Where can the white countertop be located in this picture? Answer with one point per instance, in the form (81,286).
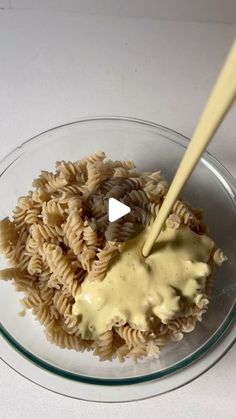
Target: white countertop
(56,67)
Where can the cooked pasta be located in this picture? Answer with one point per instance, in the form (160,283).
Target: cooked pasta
(184,213)
(73,230)
(59,235)
(58,263)
(71,324)
(219,257)
(131,336)
(62,302)
(173,221)
(138,352)
(100,265)
(8,236)
(10,273)
(52,213)
(104,346)
(35,264)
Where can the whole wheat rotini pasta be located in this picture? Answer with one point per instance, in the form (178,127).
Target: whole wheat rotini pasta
(219,257)
(104,346)
(63,304)
(59,235)
(131,336)
(100,265)
(173,221)
(183,212)
(35,264)
(71,325)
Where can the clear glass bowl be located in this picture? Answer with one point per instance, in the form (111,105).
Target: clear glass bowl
(81,375)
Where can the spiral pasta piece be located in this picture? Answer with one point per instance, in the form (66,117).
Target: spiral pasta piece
(183,212)
(52,213)
(31,245)
(98,156)
(68,192)
(65,340)
(40,196)
(32,300)
(63,303)
(73,287)
(58,263)
(119,232)
(46,293)
(55,182)
(89,236)
(8,236)
(19,215)
(54,282)
(73,230)
(87,258)
(131,336)
(218,257)
(173,221)
(100,265)
(35,264)
(67,170)
(10,273)
(104,346)
(155,190)
(44,233)
(71,325)
(120,172)
(94,175)
(137,352)
(201,301)
(25,283)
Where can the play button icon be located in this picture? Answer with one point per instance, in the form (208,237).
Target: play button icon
(117,210)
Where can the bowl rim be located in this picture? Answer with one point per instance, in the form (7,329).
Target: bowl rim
(12,156)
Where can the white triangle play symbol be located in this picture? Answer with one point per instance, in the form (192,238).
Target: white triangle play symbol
(116,209)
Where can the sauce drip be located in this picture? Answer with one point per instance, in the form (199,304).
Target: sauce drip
(137,288)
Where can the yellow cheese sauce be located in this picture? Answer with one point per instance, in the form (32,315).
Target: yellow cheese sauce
(137,288)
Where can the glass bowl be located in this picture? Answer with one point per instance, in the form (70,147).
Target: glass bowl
(23,344)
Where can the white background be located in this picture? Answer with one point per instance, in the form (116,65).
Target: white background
(57,65)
